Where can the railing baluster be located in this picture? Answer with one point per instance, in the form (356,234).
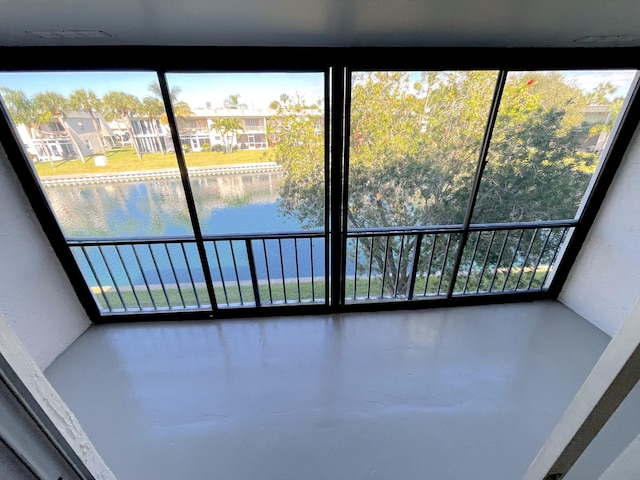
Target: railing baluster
(126,271)
(295,247)
(284,286)
(473,259)
(526,258)
(444,262)
(193,284)
(414,266)
(513,259)
(155,264)
(175,276)
(395,288)
(433,250)
(313,278)
(224,287)
(144,276)
(266,263)
(355,273)
(235,268)
(113,279)
(384,267)
(486,259)
(370,268)
(95,275)
(535,270)
(495,272)
(252,270)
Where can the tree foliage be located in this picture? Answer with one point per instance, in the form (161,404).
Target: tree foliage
(415,144)
(228,128)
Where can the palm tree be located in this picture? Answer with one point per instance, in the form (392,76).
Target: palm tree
(152,109)
(25,111)
(228,129)
(122,106)
(233,102)
(180,109)
(88,101)
(56,104)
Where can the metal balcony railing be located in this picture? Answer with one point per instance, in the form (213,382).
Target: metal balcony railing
(129,275)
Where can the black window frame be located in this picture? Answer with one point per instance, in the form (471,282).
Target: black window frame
(338,63)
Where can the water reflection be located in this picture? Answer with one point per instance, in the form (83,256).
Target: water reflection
(241,203)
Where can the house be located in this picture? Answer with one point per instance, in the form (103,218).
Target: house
(87,133)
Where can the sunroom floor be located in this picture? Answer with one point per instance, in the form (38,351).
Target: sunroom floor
(443,394)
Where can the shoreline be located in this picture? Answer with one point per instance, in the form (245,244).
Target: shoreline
(263,167)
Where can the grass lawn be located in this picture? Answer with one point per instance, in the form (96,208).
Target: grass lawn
(125,160)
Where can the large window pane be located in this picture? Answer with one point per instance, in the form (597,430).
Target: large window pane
(414,146)
(254,148)
(101,149)
(547,143)
(415,139)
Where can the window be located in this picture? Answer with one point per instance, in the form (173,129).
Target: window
(454,184)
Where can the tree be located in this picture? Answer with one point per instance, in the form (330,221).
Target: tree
(180,109)
(25,111)
(233,102)
(604,94)
(228,128)
(153,110)
(414,147)
(88,101)
(56,105)
(121,106)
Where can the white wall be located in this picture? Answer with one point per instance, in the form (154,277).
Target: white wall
(16,355)
(605,281)
(36,298)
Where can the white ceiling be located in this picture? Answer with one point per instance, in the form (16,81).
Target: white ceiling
(456,23)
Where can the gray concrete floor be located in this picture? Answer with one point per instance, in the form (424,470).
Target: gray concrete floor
(442,394)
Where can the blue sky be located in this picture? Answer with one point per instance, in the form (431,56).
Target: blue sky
(256,90)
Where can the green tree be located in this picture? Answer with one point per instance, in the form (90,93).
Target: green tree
(414,148)
(25,111)
(153,110)
(604,95)
(233,102)
(181,109)
(121,107)
(87,101)
(228,128)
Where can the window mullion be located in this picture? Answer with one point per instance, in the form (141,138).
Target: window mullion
(482,163)
(340,102)
(186,183)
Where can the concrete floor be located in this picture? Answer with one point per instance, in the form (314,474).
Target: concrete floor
(443,394)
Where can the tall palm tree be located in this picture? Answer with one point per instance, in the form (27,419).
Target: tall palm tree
(122,106)
(153,109)
(88,101)
(233,102)
(25,111)
(56,105)
(180,109)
